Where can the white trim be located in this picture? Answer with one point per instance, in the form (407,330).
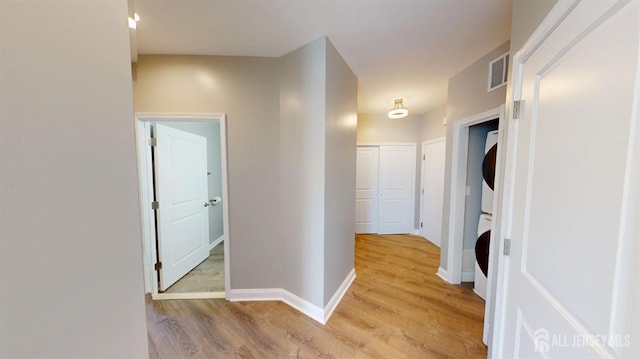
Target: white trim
(442,273)
(458,188)
(468,276)
(337,296)
(303,306)
(145,180)
(199,295)
(321,315)
(213,244)
(278,294)
(253,295)
(417,232)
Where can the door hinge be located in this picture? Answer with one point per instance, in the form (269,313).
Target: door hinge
(155,205)
(507,247)
(153,142)
(424,157)
(423,191)
(517,108)
(420,224)
(157,266)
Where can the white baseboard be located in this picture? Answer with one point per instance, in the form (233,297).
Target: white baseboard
(337,296)
(321,315)
(200,295)
(442,273)
(416,232)
(251,295)
(213,244)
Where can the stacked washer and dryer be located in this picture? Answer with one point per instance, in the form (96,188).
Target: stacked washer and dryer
(484,223)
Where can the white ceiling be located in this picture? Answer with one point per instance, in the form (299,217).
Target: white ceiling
(397,48)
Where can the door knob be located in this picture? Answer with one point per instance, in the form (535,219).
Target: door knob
(207,204)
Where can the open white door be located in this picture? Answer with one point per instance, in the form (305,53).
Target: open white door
(397,177)
(433,158)
(573,170)
(181,182)
(367,189)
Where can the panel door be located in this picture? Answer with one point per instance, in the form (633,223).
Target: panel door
(567,277)
(432,190)
(183,221)
(367,189)
(397,173)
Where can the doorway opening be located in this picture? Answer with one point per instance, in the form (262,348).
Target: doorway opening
(466,205)
(182,175)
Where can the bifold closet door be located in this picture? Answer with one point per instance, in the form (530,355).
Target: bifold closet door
(385,188)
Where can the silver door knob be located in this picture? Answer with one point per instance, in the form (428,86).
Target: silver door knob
(207,204)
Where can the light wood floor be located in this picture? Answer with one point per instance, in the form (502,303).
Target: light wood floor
(208,276)
(396,308)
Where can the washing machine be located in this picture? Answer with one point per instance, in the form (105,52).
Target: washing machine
(489,171)
(482,255)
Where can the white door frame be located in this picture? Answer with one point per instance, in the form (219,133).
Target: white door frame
(145,183)
(424,143)
(457,204)
(457,200)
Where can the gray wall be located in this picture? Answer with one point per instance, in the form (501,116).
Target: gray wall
(340,171)
(247,90)
(70,243)
(432,127)
(302,170)
(288,119)
(467,96)
(210,130)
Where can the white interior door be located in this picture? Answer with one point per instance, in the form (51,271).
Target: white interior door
(181,182)
(575,186)
(396,189)
(433,158)
(367,189)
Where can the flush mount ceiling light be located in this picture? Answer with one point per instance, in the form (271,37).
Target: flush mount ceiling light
(398,110)
(133,21)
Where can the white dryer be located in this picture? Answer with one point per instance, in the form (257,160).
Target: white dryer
(489,171)
(482,255)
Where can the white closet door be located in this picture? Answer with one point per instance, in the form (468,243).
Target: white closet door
(367,189)
(396,188)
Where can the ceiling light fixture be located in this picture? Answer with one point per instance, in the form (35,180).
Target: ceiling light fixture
(398,110)
(133,21)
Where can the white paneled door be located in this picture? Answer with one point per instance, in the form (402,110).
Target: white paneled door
(432,190)
(182,193)
(574,165)
(367,189)
(385,188)
(397,177)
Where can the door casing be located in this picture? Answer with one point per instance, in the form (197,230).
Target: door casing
(145,183)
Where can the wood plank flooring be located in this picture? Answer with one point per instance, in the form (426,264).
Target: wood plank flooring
(396,308)
(208,276)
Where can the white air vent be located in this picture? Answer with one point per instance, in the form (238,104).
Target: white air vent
(498,71)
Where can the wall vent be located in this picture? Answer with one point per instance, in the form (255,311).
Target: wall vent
(498,72)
